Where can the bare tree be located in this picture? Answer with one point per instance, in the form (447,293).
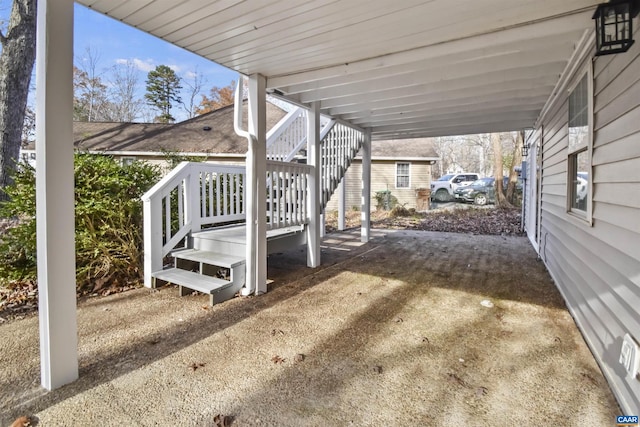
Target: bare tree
(498,170)
(483,151)
(123,105)
(90,93)
(468,153)
(218,98)
(193,86)
(29,126)
(16,64)
(516,159)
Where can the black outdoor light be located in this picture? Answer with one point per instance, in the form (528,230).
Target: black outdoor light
(614,26)
(525,150)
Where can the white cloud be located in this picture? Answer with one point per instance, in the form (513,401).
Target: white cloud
(175,67)
(145,65)
(190,75)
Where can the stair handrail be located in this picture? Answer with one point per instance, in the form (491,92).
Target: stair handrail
(339,147)
(190,196)
(284,123)
(153,227)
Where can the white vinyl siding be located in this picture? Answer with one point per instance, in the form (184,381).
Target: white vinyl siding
(597,267)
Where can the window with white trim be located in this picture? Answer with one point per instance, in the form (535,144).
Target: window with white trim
(403,175)
(579,155)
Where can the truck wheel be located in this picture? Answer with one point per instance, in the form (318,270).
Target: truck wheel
(442,195)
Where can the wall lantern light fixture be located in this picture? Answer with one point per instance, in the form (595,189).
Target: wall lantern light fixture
(614,26)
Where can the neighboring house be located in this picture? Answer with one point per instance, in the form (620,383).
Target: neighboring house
(400,166)
(209,136)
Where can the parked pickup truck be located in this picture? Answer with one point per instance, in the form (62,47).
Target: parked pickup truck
(442,189)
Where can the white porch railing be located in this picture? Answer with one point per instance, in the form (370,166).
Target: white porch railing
(286,194)
(195,195)
(190,196)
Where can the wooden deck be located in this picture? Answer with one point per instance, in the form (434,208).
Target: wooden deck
(277,240)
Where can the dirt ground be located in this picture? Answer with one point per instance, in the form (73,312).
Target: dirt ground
(412,329)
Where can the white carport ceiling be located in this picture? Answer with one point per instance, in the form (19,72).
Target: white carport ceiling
(404,68)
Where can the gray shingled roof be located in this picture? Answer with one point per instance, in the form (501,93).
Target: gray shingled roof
(188,136)
(404,148)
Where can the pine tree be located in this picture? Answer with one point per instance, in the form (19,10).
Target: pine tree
(163,88)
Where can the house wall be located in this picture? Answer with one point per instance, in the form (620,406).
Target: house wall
(383,177)
(597,266)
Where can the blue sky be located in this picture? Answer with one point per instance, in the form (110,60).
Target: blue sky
(114,42)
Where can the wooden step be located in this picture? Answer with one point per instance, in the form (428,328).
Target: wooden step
(219,289)
(209,257)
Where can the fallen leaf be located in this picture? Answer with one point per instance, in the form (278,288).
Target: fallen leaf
(481,391)
(377,369)
(454,378)
(205,307)
(222,420)
(425,339)
(277,331)
(398,320)
(22,422)
(195,366)
(589,378)
(278,360)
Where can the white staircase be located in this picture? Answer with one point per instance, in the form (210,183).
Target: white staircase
(196,213)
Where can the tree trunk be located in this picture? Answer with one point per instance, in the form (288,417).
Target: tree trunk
(16,64)
(498,170)
(513,175)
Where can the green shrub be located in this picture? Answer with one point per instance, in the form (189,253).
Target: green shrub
(108,216)
(385,200)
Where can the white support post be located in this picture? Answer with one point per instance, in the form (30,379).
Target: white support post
(194,202)
(54,194)
(323,226)
(152,210)
(342,203)
(313,200)
(256,263)
(365,225)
